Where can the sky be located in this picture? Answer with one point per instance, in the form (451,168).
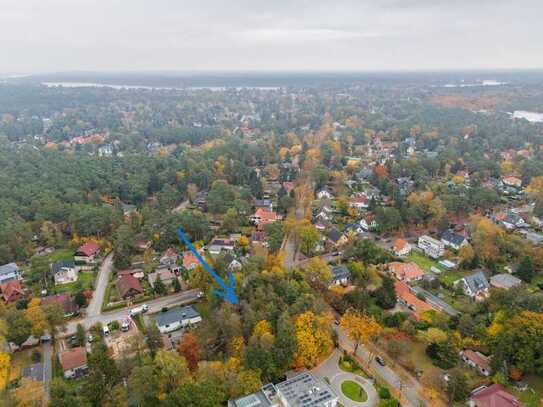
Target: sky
(269,35)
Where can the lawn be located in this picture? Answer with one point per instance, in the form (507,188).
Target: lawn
(424,262)
(61,254)
(85,280)
(353,391)
(351,367)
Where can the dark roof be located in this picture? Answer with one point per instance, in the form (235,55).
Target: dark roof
(340,272)
(59,265)
(128,286)
(477,282)
(34,371)
(334,235)
(176,315)
(451,237)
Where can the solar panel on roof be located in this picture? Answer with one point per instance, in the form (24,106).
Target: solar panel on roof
(249,401)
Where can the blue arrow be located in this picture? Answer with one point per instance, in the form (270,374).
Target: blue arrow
(227,291)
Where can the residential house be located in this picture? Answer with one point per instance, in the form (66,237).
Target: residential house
(129,286)
(359,202)
(406,272)
(475,285)
(368,223)
(335,238)
(9,272)
(259,237)
(166,276)
(190,261)
(341,275)
(453,240)
(477,360)
(87,252)
(232,263)
(64,301)
(12,291)
(216,246)
(493,396)
(305,390)
(324,194)
(264,216)
(437,303)
(410,300)
(177,318)
(432,247)
(136,272)
(169,258)
(74,362)
(64,272)
(35,371)
(505,281)
(266,204)
(401,248)
(512,182)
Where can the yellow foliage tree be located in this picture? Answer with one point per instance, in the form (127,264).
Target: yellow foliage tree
(5,366)
(243,241)
(314,338)
(359,327)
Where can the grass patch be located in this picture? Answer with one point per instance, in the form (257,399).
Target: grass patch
(85,280)
(61,254)
(424,262)
(353,391)
(350,365)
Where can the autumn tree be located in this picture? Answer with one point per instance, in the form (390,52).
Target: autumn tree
(314,338)
(190,350)
(318,271)
(360,328)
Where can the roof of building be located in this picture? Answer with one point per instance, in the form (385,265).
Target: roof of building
(176,315)
(453,238)
(34,371)
(505,280)
(257,399)
(64,300)
(340,272)
(73,358)
(127,283)
(477,358)
(304,390)
(89,248)
(165,274)
(190,260)
(10,289)
(404,292)
(59,265)
(477,282)
(9,268)
(334,235)
(170,253)
(265,214)
(407,271)
(495,396)
(400,244)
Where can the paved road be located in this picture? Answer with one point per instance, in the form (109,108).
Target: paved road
(95,306)
(120,314)
(409,389)
(47,366)
(331,370)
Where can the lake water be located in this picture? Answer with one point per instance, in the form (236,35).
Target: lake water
(533,117)
(114,86)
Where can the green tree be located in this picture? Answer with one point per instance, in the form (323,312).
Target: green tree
(18,327)
(525,270)
(457,386)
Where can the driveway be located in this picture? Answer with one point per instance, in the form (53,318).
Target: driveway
(95,305)
(47,366)
(336,376)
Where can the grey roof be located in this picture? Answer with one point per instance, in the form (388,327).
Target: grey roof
(340,272)
(435,301)
(304,390)
(505,280)
(477,282)
(59,265)
(454,238)
(257,399)
(334,235)
(176,315)
(9,268)
(34,371)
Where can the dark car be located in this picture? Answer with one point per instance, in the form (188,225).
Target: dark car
(380,360)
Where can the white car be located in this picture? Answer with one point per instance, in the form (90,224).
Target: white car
(105,330)
(125,325)
(139,310)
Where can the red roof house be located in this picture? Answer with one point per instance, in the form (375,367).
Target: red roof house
(406,297)
(406,272)
(129,286)
(401,247)
(190,262)
(73,362)
(12,291)
(264,216)
(64,300)
(494,396)
(87,252)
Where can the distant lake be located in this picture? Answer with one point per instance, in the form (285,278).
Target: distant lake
(533,117)
(485,82)
(115,86)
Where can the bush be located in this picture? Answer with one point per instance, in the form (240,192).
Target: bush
(114,325)
(389,403)
(384,393)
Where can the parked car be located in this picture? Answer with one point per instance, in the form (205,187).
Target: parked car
(105,330)
(139,310)
(380,360)
(90,338)
(125,325)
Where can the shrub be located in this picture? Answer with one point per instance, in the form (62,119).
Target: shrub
(384,393)
(36,356)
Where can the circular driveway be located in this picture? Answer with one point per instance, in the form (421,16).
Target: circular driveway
(339,378)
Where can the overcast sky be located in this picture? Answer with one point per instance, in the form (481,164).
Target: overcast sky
(114,35)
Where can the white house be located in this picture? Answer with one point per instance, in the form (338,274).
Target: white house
(177,318)
(323,193)
(368,223)
(401,248)
(359,202)
(474,285)
(9,272)
(64,272)
(432,247)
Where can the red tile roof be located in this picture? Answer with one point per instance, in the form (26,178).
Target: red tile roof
(73,358)
(88,249)
(11,291)
(265,215)
(64,300)
(190,260)
(406,271)
(400,244)
(477,358)
(403,292)
(495,396)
